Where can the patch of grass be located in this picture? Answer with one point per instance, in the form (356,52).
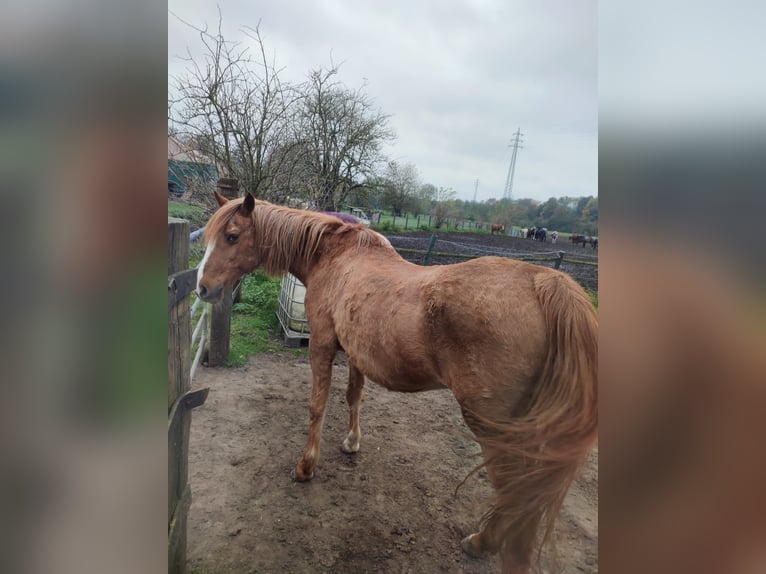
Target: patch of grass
(196,251)
(593,297)
(387,227)
(451,229)
(254,323)
(195,214)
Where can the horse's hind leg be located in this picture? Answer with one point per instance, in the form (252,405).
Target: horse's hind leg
(354,395)
(490,539)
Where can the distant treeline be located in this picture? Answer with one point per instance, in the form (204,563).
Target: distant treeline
(568,214)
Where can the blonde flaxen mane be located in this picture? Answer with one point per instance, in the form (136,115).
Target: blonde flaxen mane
(284,235)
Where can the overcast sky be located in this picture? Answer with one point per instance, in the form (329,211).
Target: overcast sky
(457,76)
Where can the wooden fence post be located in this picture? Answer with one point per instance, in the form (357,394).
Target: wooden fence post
(228,187)
(179,321)
(427,258)
(220,329)
(179,367)
(557,264)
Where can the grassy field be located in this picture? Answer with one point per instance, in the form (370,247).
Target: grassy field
(390,224)
(192,213)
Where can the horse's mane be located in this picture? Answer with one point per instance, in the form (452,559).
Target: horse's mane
(284,235)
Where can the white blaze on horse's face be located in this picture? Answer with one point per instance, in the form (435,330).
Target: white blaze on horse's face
(229,254)
(201,268)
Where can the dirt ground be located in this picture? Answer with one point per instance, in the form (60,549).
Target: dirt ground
(390,508)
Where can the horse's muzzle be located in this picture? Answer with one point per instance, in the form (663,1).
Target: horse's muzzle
(209,296)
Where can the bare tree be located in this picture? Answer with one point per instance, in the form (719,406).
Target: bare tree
(234,107)
(443,205)
(340,134)
(400,186)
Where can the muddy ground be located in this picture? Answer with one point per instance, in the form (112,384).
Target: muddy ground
(390,508)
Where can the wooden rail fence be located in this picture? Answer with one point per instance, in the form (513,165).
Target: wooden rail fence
(201,328)
(181,399)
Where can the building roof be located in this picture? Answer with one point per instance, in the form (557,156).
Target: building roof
(179,150)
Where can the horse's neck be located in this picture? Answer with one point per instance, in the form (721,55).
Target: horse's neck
(329,249)
(300,270)
(301,263)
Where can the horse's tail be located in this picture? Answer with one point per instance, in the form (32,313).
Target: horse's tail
(539,452)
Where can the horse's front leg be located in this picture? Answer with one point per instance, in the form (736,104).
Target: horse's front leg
(321,370)
(354,395)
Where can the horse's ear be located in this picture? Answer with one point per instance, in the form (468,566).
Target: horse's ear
(248,205)
(219,198)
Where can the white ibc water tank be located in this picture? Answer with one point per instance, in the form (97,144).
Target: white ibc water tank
(291,310)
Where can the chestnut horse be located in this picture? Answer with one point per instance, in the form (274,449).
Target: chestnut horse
(497,227)
(515,343)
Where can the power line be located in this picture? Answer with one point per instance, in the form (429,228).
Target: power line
(515,144)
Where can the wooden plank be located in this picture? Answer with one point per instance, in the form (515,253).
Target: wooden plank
(220,329)
(178,245)
(180,401)
(180,285)
(179,421)
(179,352)
(228,187)
(178,461)
(177,535)
(176,483)
(179,320)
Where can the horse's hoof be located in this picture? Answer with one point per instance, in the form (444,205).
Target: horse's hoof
(348,449)
(469,548)
(300,476)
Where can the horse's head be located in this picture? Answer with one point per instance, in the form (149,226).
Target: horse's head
(229,253)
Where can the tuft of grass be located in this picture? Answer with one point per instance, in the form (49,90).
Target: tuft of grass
(254,323)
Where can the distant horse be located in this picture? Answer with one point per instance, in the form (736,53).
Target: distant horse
(582,239)
(554,236)
(497,227)
(531,232)
(540,234)
(516,344)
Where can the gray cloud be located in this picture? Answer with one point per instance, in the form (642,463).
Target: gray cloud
(458,77)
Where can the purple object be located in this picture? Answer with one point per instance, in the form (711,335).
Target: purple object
(346,217)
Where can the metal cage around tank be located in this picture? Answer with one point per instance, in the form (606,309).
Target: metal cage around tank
(291,311)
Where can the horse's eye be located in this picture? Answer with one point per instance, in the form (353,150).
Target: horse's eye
(231,239)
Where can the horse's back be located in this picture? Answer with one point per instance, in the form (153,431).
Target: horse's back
(484,316)
(476,327)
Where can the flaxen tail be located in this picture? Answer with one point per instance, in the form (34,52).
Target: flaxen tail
(538,453)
